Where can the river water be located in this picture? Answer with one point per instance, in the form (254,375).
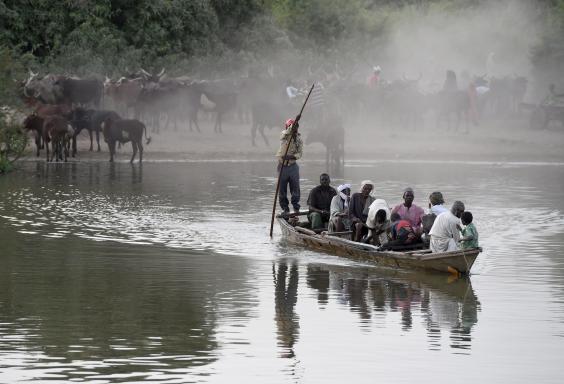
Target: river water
(166,273)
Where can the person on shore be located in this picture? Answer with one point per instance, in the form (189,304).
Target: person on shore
(340,220)
(469,237)
(378,223)
(290,175)
(360,205)
(409,211)
(374,79)
(444,233)
(319,202)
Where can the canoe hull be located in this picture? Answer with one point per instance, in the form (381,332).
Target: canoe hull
(454,262)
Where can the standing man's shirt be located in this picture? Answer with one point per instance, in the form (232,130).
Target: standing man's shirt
(296,147)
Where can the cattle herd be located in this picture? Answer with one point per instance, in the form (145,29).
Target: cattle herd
(122,109)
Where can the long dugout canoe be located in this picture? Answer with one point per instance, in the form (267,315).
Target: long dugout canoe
(460,261)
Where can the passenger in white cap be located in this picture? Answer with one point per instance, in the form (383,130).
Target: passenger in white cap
(340,219)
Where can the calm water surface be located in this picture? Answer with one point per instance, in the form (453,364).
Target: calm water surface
(165,273)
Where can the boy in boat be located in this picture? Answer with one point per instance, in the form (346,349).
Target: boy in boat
(469,237)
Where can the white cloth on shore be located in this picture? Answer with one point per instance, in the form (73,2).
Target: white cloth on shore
(444,233)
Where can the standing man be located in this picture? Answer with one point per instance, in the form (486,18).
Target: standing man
(409,211)
(319,202)
(445,234)
(290,174)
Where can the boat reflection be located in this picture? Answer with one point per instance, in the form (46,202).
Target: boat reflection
(443,303)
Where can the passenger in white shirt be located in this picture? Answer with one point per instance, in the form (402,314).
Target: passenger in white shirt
(445,233)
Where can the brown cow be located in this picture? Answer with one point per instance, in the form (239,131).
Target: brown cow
(123,131)
(57,130)
(34,123)
(44,110)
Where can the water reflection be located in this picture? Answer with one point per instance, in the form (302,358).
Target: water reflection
(440,302)
(285,299)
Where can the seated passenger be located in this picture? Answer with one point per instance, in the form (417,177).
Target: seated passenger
(402,232)
(444,233)
(378,223)
(436,207)
(340,220)
(469,237)
(409,211)
(319,202)
(436,202)
(360,204)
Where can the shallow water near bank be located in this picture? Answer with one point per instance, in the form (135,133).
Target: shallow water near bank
(165,272)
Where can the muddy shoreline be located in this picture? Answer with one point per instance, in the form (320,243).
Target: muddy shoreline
(491,142)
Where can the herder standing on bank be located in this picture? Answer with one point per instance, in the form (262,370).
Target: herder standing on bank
(290,174)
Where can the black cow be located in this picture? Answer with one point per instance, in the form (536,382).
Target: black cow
(56,129)
(81,91)
(91,120)
(123,131)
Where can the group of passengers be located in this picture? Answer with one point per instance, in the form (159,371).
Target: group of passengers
(370,220)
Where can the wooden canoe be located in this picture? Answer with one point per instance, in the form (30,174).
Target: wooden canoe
(460,261)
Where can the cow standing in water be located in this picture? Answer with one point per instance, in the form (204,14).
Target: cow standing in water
(123,131)
(57,130)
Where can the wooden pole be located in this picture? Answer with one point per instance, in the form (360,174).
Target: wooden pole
(284,161)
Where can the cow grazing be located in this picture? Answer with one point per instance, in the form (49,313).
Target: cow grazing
(123,131)
(92,121)
(57,130)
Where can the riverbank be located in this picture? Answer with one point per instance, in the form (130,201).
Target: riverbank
(491,141)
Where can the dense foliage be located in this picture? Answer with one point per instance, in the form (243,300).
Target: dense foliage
(103,36)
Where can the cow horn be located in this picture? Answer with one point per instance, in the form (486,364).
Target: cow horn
(162,72)
(144,72)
